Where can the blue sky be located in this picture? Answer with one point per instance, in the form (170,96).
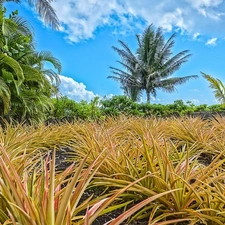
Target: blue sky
(90,28)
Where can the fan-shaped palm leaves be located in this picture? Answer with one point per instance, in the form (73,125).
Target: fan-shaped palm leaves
(217,86)
(149,68)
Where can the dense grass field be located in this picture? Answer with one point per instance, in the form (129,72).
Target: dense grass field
(155,171)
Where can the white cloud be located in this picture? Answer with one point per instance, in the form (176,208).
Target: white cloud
(204,3)
(195,101)
(81,19)
(194,90)
(74,90)
(211,41)
(196,36)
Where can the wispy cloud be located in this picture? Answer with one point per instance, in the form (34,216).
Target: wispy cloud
(74,90)
(194,90)
(211,41)
(196,36)
(195,101)
(80,19)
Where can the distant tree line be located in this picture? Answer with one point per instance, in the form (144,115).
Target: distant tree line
(99,109)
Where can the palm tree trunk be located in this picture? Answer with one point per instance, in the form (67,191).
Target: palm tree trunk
(148,97)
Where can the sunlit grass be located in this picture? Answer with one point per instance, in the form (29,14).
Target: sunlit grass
(163,170)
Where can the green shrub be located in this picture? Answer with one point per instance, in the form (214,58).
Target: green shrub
(65,108)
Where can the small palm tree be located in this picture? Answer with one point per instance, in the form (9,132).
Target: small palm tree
(150,67)
(217,86)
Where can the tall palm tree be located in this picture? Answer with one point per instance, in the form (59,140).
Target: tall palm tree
(150,67)
(217,86)
(44,9)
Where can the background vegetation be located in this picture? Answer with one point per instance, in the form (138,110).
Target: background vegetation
(66,109)
(133,161)
(29,90)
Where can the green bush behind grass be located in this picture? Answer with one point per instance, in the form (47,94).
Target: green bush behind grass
(118,105)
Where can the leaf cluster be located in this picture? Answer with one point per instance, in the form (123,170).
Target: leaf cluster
(67,109)
(164,171)
(26,84)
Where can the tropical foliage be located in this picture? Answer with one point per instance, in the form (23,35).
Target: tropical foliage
(149,68)
(151,167)
(44,9)
(68,110)
(217,86)
(26,84)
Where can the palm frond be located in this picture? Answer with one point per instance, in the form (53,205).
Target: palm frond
(5,96)
(124,80)
(152,63)
(133,92)
(52,76)
(126,57)
(166,50)
(134,69)
(45,10)
(46,56)
(124,77)
(174,63)
(169,84)
(119,72)
(126,48)
(31,74)
(217,86)
(23,26)
(12,65)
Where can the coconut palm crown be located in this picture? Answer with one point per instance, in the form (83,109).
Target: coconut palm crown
(150,68)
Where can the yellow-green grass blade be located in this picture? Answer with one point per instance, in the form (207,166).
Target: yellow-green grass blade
(137,207)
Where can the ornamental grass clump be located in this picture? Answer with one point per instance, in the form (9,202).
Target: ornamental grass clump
(161,171)
(41,197)
(170,151)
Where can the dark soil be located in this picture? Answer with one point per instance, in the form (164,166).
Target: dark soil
(62,162)
(62,156)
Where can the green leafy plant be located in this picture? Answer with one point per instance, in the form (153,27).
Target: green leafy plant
(217,86)
(26,84)
(39,198)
